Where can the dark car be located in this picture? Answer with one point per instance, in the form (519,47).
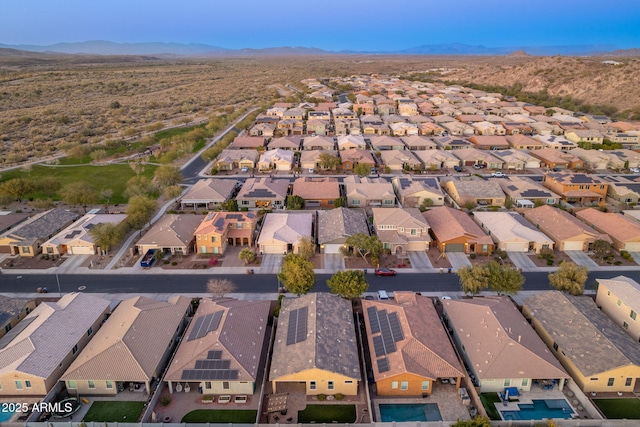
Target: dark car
(385,272)
(458,168)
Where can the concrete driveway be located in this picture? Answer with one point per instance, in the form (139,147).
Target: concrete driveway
(521,259)
(419,259)
(271,263)
(458,259)
(581,258)
(635,256)
(333,262)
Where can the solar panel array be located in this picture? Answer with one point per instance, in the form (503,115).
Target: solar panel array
(211,368)
(205,324)
(297,328)
(390,331)
(383,365)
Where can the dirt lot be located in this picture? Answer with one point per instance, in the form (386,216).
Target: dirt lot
(36,263)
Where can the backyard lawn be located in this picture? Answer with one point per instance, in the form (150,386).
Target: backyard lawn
(619,408)
(328,414)
(488,400)
(105,411)
(220,416)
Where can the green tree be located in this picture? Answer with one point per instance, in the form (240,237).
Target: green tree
(601,249)
(49,185)
(504,279)
(426,204)
(247,255)
(167,175)
(477,421)
(570,277)
(138,185)
(365,245)
(306,248)
(79,194)
(473,279)
(17,188)
(329,161)
(106,235)
(362,169)
(297,275)
(140,211)
(348,283)
(295,203)
(230,205)
(340,202)
(172,191)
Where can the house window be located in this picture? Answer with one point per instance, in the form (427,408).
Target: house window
(71,384)
(312,385)
(75,349)
(593,379)
(625,325)
(7,328)
(608,293)
(619,303)
(0,386)
(610,382)
(425,385)
(330,385)
(18,385)
(386,245)
(555,346)
(348,382)
(214,238)
(207,385)
(628,382)
(203,249)
(394,385)
(355,202)
(633,315)
(404,385)
(525,382)
(485,248)
(91,384)
(388,202)
(225,385)
(108,385)
(89,331)
(413,232)
(26,250)
(27,384)
(507,382)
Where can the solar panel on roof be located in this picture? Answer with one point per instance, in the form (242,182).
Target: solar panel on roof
(213,364)
(297,327)
(73,234)
(205,324)
(378,346)
(209,374)
(219,223)
(196,328)
(383,365)
(374,324)
(214,355)
(396,328)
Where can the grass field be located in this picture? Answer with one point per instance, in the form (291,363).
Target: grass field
(619,408)
(328,414)
(105,411)
(488,400)
(220,416)
(114,177)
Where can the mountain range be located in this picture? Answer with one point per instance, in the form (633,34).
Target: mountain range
(101,47)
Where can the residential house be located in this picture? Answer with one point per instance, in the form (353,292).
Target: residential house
(407,108)
(407,358)
(619,298)
(628,158)
(429,128)
(12,310)
(383,143)
(627,140)
(248,143)
(220,229)
(517,128)
(9,221)
(335,226)
(489,129)
(132,347)
(403,129)
(229,160)
(288,127)
(263,193)
(222,350)
(473,190)
(455,231)
(556,142)
(347,142)
(568,232)
(498,345)
(597,353)
(281,232)
(584,135)
(318,127)
(313,159)
(512,232)
(38,350)
(343,113)
(473,156)
(452,143)
(456,128)
(489,142)
(413,193)
(266,130)
(622,191)
(364,108)
(592,159)
(352,157)
(77,239)
(319,329)
(278,159)
(470,118)
(347,126)
(419,143)
(172,233)
(291,143)
(295,113)
(368,192)
(401,230)
(517,159)
(318,143)
(577,187)
(397,160)
(623,231)
(557,159)
(209,194)
(526,193)
(25,238)
(375,127)
(318,193)
(546,128)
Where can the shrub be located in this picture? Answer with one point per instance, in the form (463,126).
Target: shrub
(549,261)
(322,397)
(165,400)
(472,256)
(174,263)
(338,396)
(617,263)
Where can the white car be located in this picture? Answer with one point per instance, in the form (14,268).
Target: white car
(498,174)
(635,170)
(244,169)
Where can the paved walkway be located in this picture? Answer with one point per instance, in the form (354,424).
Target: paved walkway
(271,263)
(521,259)
(458,259)
(419,260)
(581,258)
(333,262)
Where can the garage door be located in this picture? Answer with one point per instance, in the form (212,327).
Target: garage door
(80,250)
(332,249)
(572,246)
(514,246)
(454,247)
(632,247)
(272,249)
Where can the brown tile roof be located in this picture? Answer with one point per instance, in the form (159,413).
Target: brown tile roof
(616,225)
(340,223)
(425,349)
(131,343)
(248,142)
(172,230)
(215,190)
(561,225)
(316,188)
(448,224)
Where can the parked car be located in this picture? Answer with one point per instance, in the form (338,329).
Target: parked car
(635,170)
(498,174)
(385,272)
(311,170)
(458,168)
(244,169)
(477,166)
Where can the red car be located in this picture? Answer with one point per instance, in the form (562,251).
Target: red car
(385,272)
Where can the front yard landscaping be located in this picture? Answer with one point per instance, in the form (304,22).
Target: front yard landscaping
(105,411)
(220,416)
(328,414)
(619,408)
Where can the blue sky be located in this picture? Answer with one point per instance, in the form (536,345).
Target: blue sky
(330,24)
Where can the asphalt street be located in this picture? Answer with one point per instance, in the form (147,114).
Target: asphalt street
(258,283)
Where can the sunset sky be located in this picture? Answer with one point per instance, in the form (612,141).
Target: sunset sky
(329,24)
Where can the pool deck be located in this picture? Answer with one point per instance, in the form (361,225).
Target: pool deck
(528,397)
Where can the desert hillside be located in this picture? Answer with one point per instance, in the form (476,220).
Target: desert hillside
(588,79)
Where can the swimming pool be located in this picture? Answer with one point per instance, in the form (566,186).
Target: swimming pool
(410,412)
(6,416)
(540,410)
